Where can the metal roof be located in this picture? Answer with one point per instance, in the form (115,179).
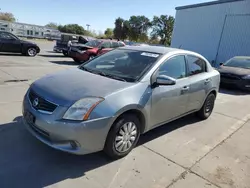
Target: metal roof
(206,4)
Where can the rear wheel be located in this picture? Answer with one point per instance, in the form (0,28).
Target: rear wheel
(65,53)
(76,60)
(123,136)
(31,51)
(207,107)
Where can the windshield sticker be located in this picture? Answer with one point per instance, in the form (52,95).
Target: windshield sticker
(149,54)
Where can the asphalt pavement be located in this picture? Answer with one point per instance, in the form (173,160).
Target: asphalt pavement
(182,154)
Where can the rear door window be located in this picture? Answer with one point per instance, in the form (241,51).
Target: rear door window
(106,44)
(115,45)
(195,65)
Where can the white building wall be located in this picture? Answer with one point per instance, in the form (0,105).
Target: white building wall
(199,29)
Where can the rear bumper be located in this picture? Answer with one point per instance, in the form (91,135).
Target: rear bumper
(57,49)
(78,56)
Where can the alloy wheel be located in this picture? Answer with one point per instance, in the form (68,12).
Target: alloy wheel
(31,51)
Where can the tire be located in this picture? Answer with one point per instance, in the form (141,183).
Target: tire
(114,138)
(207,107)
(76,60)
(65,53)
(31,51)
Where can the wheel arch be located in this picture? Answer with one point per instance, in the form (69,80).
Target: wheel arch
(135,110)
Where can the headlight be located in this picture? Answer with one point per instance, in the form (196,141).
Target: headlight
(82,108)
(246,77)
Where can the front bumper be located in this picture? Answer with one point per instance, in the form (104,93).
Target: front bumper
(243,84)
(70,136)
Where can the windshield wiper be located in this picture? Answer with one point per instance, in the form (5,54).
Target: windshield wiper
(103,74)
(86,69)
(111,76)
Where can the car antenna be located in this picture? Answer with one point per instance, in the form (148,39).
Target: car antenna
(180,46)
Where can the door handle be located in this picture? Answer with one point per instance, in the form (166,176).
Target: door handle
(207,81)
(185,88)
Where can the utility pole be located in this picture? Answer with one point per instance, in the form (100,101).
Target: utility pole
(87,27)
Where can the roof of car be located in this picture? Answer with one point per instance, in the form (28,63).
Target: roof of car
(242,57)
(153,49)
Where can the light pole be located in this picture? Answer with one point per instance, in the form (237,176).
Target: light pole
(87,26)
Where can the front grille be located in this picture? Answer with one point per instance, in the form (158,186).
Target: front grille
(42,104)
(230,76)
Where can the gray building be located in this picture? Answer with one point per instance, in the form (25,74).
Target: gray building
(29,30)
(218,30)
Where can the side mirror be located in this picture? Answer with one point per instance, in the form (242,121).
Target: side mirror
(165,80)
(221,64)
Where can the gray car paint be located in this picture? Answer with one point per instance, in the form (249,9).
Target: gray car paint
(157,105)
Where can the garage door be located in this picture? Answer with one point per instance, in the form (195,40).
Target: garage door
(235,39)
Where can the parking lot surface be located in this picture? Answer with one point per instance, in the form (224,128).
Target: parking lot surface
(185,153)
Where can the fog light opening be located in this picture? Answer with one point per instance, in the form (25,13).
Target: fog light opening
(73,144)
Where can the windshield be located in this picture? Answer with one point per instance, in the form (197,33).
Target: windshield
(122,64)
(239,62)
(93,43)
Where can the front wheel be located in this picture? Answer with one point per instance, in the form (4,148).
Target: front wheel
(31,52)
(207,107)
(123,136)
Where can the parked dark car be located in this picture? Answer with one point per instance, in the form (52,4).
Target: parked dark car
(11,43)
(82,53)
(236,72)
(62,45)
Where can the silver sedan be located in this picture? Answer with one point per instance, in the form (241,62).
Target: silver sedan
(109,101)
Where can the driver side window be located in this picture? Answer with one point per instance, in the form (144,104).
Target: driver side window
(6,36)
(174,67)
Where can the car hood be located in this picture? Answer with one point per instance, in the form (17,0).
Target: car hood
(28,42)
(234,70)
(66,87)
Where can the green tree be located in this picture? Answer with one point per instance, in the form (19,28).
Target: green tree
(109,33)
(138,27)
(52,25)
(72,28)
(118,30)
(7,16)
(163,27)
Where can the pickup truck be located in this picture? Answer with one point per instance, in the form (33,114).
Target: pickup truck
(11,43)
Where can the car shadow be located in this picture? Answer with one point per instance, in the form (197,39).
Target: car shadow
(27,162)
(232,91)
(52,55)
(11,54)
(54,52)
(65,63)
